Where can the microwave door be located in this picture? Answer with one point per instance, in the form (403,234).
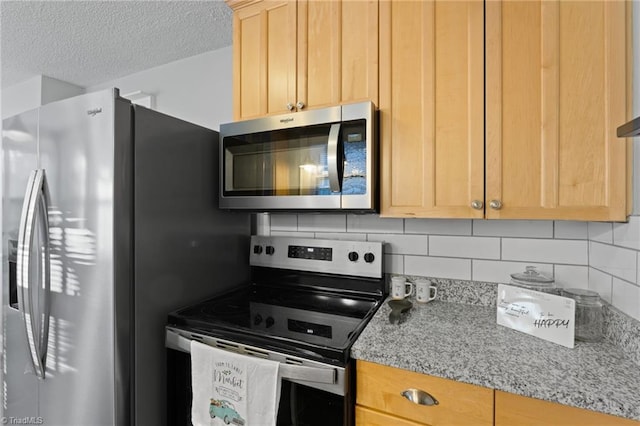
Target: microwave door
(287,169)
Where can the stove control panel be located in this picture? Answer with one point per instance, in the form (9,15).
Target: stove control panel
(306,252)
(358,258)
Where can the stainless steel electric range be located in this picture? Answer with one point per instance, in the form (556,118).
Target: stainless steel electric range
(306,304)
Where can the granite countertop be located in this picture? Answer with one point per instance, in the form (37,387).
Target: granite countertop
(464,343)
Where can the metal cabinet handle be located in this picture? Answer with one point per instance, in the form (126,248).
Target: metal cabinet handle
(419,397)
(300,105)
(495,204)
(290,106)
(477,204)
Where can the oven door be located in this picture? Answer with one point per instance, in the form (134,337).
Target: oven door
(324,399)
(319,159)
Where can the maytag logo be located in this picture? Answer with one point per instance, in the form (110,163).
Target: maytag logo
(93,112)
(286,120)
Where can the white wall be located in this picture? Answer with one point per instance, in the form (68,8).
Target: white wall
(197,89)
(34,92)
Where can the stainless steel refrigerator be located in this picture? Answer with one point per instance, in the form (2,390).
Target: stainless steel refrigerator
(109,222)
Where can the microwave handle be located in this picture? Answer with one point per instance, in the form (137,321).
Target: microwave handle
(332,157)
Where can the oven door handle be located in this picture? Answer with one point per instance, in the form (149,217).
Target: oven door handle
(177,342)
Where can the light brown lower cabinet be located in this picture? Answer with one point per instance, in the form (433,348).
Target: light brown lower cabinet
(380,402)
(380,388)
(522,411)
(368,417)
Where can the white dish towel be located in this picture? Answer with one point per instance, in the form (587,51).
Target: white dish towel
(230,388)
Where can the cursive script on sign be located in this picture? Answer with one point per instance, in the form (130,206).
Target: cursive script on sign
(543,315)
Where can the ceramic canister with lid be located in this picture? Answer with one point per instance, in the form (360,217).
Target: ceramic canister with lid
(589,320)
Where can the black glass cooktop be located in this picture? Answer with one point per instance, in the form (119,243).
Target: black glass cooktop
(296,315)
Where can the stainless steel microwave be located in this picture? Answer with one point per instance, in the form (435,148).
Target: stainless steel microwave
(324,159)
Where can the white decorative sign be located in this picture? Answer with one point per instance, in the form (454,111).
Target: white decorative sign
(542,315)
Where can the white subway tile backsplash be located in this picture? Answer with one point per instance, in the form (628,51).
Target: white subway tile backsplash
(341,236)
(617,261)
(467,247)
(627,234)
(374,224)
(402,244)
(293,234)
(572,276)
(626,297)
(601,231)
(439,267)
(513,228)
(601,283)
(438,226)
(498,271)
(604,257)
(322,223)
(570,230)
(393,264)
(571,252)
(284,222)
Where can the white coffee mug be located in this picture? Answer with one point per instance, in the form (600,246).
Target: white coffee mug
(400,288)
(425,291)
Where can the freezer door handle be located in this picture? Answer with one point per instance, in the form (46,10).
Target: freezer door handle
(36,324)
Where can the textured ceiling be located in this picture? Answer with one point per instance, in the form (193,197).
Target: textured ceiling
(90,42)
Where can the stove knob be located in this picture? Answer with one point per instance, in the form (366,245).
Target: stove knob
(257,319)
(353,256)
(369,257)
(269,322)
(257,249)
(270,250)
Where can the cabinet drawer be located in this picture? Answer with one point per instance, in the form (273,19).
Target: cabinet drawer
(367,417)
(515,409)
(380,387)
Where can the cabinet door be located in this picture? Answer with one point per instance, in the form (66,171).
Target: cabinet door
(337,52)
(264,58)
(556,90)
(431,108)
(522,411)
(381,388)
(367,417)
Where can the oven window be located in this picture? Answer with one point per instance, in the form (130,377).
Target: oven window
(304,406)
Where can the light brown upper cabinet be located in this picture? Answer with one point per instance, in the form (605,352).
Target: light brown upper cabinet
(293,55)
(431,108)
(557,85)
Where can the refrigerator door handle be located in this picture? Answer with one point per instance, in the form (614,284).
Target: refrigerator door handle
(35,193)
(44,316)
